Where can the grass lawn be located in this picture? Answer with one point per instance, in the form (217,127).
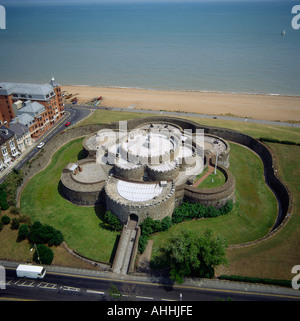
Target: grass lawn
(79,225)
(275,257)
(255,210)
(213,180)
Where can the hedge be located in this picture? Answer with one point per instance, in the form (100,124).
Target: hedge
(273,140)
(248,279)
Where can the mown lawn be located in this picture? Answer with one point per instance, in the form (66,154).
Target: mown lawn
(255,210)
(213,180)
(81,226)
(275,257)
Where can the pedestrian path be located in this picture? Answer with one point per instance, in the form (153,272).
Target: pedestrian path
(210,170)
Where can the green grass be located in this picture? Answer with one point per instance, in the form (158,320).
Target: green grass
(213,180)
(79,225)
(275,257)
(255,210)
(252,129)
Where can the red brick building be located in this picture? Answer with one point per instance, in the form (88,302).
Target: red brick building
(16,96)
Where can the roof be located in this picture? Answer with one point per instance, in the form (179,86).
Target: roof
(5,134)
(33,268)
(24,119)
(7,88)
(53,83)
(18,128)
(34,108)
(138,192)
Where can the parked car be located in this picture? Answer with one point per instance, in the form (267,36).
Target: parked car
(40,145)
(68,123)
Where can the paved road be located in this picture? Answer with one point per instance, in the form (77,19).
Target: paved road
(61,283)
(184,115)
(73,115)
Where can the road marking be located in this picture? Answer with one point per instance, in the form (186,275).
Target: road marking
(144,297)
(45,285)
(26,283)
(167,300)
(69,288)
(95,292)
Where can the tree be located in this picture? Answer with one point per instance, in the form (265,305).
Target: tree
(190,254)
(5,219)
(15,224)
(23,232)
(42,234)
(43,254)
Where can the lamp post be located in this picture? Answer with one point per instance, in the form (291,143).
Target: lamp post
(38,256)
(216,163)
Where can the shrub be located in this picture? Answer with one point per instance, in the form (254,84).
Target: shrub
(43,254)
(4,205)
(15,224)
(56,238)
(26,219)
(14,210)
(44,234)
(5,219)
(112,221)
(23,232)
(143,241)
(288,142)
(166,223)
(270,140)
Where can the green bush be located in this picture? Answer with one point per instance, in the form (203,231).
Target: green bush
(23,232)
(4,205)
(112,221)
(286,283)
(270,140)
(166,223)
(5,219)
(43,254)
(44,234)
(143,241)
(288,142)
(15,224)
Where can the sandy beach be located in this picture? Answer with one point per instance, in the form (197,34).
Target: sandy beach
(266,107)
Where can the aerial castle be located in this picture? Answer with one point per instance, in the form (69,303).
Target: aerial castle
(146,172)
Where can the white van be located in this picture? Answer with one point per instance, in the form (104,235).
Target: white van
(30,271)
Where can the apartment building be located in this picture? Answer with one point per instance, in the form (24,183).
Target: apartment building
(22,136)
(8,145)
(21,102)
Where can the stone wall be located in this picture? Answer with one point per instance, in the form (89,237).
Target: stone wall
(158,208)
(216,197)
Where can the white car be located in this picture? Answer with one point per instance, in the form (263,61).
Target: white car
(40,145)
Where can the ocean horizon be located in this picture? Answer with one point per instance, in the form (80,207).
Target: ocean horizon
(231,47)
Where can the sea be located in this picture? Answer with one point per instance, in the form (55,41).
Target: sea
(211,46)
